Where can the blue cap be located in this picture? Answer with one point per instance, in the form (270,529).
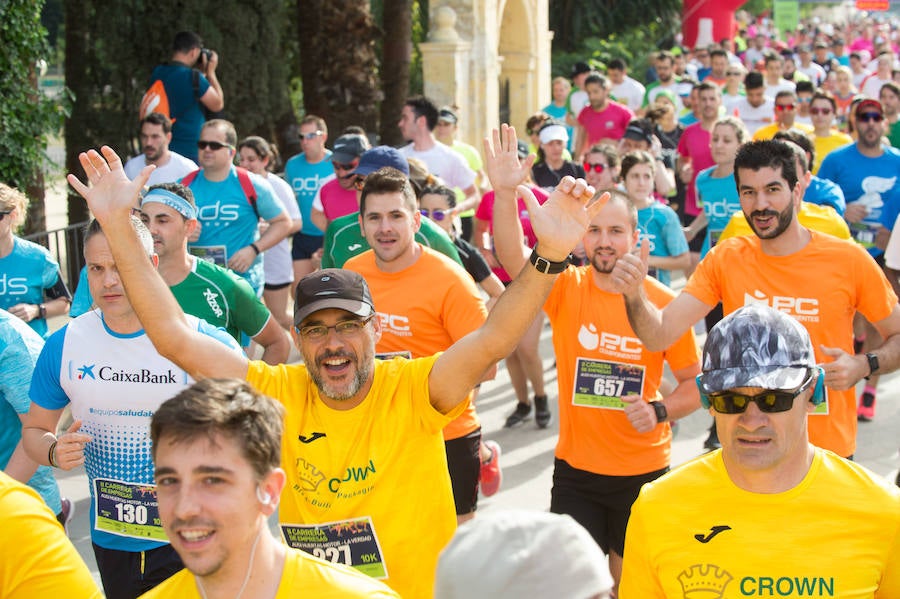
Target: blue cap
(379,157)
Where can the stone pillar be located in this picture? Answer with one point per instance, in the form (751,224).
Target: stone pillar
(445,66)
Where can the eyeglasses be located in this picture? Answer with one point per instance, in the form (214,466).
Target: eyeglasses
(3,214)
(734,74)
(804,100)
(345,167)
(818,111)
(597,168)
(311,136)
(437,215)
(783,107)
(215,146)
(769,401)
(867,117)
(345,328)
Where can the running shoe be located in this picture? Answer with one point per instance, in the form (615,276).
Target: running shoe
(491,476)
(866,410)
(520,415)
(66,513)
(541,411)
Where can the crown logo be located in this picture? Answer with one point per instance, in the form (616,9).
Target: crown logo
(310,476)
(704,581)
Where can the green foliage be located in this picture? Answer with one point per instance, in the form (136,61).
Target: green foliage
(635,46)
(419,35)
(576,21)
(27,117)
(118,44)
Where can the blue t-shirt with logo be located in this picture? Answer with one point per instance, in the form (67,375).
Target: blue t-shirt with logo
(185,108)
(870,181)
(660,226)
(24,274)
(306,179)
(719,198)
(19,350)
(229,222)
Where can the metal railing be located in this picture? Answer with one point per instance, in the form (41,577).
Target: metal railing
(65,245)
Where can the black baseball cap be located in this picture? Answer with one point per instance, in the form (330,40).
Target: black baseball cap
(332,288)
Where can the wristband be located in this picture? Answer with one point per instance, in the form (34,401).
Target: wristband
(545,266)
(42,311)
(255,248)
(50,454)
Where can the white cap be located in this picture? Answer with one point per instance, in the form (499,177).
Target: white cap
(516,553)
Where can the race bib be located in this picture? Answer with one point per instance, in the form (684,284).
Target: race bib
(390,355)
(211,253)
(127,509)
(864,234)
(349,542)
(600,384)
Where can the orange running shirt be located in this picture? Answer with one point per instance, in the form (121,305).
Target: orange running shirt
(424,309)
(594,342)
(822,286)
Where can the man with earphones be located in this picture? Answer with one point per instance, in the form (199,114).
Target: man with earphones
(217,455)
(758,517)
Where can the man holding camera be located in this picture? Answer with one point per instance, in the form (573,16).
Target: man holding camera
(191,85)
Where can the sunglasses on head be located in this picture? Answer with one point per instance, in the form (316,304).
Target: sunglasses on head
(867,117)
(770,401)
(819,111)
(783,107)
(434,214)
(597,168)
(310,136)
(213,145)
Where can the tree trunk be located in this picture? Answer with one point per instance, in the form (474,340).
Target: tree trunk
(396,58)
(338,63)
(76,137)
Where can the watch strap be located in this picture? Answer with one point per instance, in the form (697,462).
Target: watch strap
(545,266)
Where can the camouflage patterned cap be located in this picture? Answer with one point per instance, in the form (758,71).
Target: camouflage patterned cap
(756,346)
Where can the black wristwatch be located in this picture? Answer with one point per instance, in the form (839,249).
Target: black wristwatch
(873,364)
(661,412)
(543,265)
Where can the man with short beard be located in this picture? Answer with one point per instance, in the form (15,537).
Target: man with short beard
(156,135)
(615,433)
(367,479)
(818,279)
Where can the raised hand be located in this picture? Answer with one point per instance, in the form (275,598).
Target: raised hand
(628,274)
(502,163)
(560,223)
(109,191)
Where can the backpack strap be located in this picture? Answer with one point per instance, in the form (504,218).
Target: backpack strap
(247,185)
(189,178)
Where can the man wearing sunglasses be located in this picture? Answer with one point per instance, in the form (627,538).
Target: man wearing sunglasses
(228,217)
(759,517)
(786,104)
(866,172)
(363,451)
(818,279)
(826,137)
(338,196)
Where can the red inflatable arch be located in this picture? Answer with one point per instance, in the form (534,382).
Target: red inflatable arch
(708,20)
